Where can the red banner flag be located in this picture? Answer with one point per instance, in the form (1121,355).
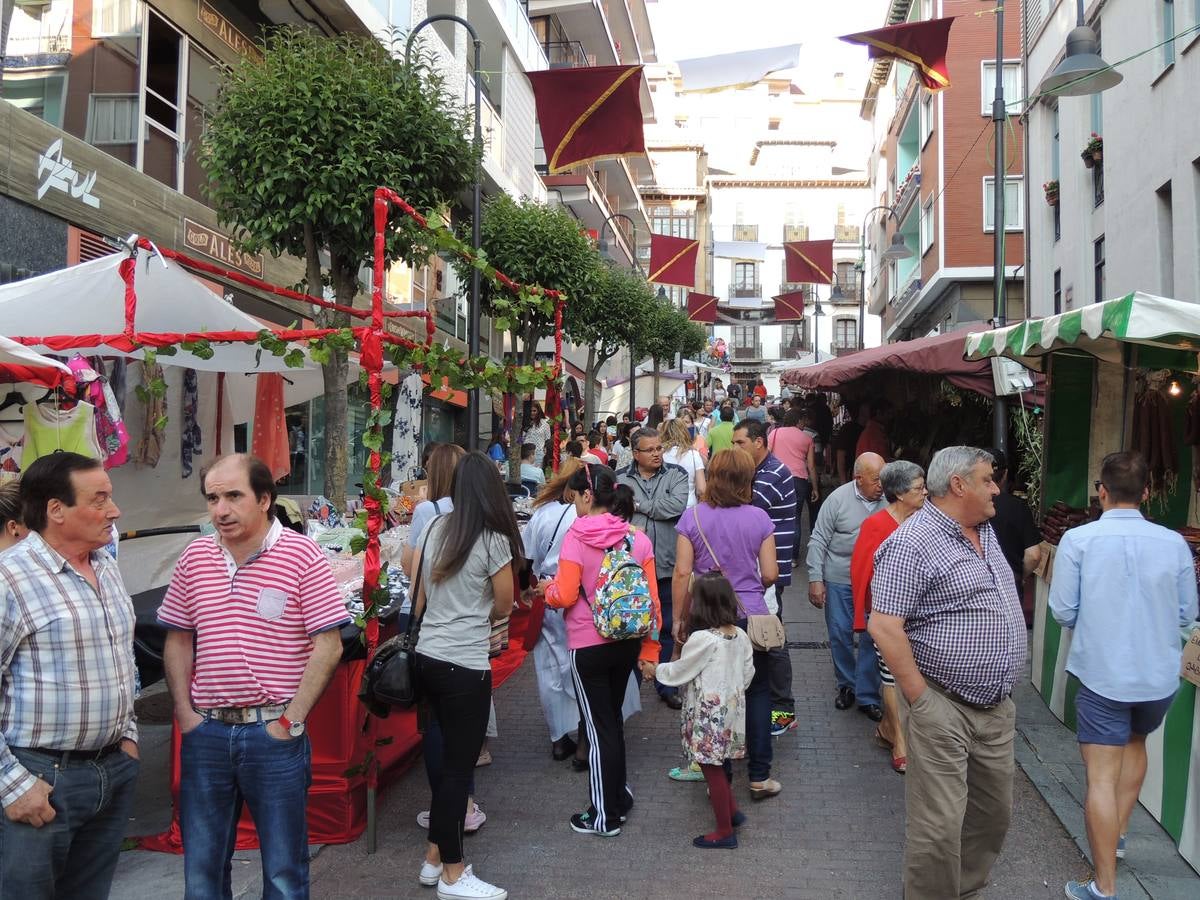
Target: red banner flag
(921,43)
(809,262)
(789,307)
(702,307)
(589,114)
(673,260)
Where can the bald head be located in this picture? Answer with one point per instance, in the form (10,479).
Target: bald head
(866,475)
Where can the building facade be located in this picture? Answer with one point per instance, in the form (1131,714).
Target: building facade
(932,165)
(1130,220)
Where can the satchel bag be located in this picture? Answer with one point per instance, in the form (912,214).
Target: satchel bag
(765,632)
(390,679)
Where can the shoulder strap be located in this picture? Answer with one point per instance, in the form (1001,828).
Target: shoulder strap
(554,536)
(437,509)
(413,622)
(696,513)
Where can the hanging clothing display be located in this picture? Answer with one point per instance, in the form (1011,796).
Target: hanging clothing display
(11,447)
(111,436)
(48,430)
(149,448)
(189,435)
(116,381)
(270,442)
(406,429)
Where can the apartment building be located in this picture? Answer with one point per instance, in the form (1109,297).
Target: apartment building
(932,164)
(1129,220)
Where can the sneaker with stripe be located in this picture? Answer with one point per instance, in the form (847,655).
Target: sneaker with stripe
(584,823)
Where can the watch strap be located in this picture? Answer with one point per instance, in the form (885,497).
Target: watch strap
(285,722)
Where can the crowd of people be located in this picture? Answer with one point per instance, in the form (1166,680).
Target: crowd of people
(659,555)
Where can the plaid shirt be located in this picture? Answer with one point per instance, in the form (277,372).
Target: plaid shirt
(961,611)
(66,658)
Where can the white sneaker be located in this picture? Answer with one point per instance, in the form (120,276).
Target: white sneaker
(431,873)
(473,822)
(468,887)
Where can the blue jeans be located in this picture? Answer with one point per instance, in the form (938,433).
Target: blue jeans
(861,674)
(222,766)
(759,751)
(666,640)
(74,855)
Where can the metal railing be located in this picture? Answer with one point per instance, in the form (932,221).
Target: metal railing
(567,55)
(745,290)
(754,352)
(846,234)
(745,232)
(795,232)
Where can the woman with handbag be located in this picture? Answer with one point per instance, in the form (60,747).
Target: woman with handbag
(904,486)
(464,581)
(727,533)
(600,666)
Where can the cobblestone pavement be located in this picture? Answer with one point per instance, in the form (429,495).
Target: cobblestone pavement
(836,831)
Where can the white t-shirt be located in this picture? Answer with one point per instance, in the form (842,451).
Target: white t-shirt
(691,462)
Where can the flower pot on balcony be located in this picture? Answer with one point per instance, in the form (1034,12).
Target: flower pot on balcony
(1052,198)
(1097,155)
(1088,161)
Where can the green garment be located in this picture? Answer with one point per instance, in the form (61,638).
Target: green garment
(720,437)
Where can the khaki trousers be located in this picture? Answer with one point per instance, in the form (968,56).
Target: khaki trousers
(958,794)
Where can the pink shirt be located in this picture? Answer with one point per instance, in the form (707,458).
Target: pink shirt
(252,622)
(791,445)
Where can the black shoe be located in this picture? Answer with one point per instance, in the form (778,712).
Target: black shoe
(579,765)
(845,698)
(872,712)
(562,748)
(672,700)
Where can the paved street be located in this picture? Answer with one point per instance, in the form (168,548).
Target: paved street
(835,831)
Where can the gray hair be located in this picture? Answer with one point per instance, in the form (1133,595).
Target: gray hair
(640,435)
(951,461)
(898,478)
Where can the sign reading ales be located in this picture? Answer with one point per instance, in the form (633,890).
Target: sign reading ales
(219,247)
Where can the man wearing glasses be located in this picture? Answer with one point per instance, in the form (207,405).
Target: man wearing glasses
(660,494)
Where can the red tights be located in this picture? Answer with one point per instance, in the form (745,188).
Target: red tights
(720,794)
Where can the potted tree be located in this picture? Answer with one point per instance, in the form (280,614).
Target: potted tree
(1093,150)
(1051,189)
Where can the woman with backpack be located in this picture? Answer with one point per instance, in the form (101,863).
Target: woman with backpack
(465,581)
(727,533)
(606,582)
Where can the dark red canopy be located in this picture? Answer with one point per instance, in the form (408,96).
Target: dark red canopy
(940,355)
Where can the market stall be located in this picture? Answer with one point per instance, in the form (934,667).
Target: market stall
(1120,375)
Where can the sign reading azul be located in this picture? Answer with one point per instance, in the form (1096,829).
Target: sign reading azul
(57,173)
(219,247)
(224,29)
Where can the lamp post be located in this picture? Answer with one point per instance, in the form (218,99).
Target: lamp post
(474,313)
(638,265)
(816,317)
(896,250)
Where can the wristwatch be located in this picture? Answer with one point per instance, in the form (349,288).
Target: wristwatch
(295,729)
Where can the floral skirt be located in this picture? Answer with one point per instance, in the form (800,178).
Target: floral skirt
(713,727)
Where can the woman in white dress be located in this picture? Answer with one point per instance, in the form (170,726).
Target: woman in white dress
(554,511)
(678,450)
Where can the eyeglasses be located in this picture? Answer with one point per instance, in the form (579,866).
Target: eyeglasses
(651,451)
(1097,485)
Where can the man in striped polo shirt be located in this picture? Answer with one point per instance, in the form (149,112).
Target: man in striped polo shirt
(258,607)
(774,493)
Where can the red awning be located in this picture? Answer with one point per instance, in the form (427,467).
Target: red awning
(940,355)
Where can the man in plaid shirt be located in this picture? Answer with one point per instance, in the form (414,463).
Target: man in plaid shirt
(946,618)
(68,738)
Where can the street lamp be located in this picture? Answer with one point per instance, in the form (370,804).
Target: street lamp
(896,250)
(1082,71)
(661,293)
(817,313)
(474,314)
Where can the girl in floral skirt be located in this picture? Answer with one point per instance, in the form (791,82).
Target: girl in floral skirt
(716,665)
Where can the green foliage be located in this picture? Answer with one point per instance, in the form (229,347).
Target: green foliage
(670,331)
(304,138)
(612,316)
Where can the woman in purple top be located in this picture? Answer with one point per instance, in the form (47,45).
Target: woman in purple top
(727,533)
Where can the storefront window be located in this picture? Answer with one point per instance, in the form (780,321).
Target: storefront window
(307,441)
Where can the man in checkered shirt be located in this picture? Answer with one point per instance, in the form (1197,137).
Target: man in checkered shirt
(946,617)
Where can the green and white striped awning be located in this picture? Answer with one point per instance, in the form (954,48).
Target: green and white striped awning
(1101,330)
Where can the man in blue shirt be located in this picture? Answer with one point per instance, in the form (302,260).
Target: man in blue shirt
(1125,586)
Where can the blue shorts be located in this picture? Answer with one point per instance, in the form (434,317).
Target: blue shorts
(1111,722)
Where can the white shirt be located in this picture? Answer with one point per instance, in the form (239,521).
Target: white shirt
(691,462)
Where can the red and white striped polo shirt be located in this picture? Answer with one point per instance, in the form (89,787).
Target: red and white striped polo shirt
(253,623)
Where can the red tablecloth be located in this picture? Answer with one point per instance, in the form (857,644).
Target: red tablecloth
(337,728)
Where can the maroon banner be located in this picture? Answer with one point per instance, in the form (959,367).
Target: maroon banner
(923,44)
(809,262)
(673,260)
(589,114)
(702,307)
(789,307)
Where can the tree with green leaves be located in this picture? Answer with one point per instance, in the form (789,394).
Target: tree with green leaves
(669,331)
(608,320)
(294,148)
(535,244)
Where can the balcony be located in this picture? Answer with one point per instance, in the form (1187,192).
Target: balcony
(748,353)
(745,232)
(846,234)
(567,55)
(849,288)
(841,347)
(795,233)
(745,290)
(907,191)
(795,349)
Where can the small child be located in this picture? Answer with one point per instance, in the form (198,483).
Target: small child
(717,665)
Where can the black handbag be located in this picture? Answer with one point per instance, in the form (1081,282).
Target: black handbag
(390,679)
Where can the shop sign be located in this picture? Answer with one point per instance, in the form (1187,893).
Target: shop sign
(57,173)
(224,29)
(219,247)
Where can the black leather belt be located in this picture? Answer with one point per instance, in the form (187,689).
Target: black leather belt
(62,757)
(958,698)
